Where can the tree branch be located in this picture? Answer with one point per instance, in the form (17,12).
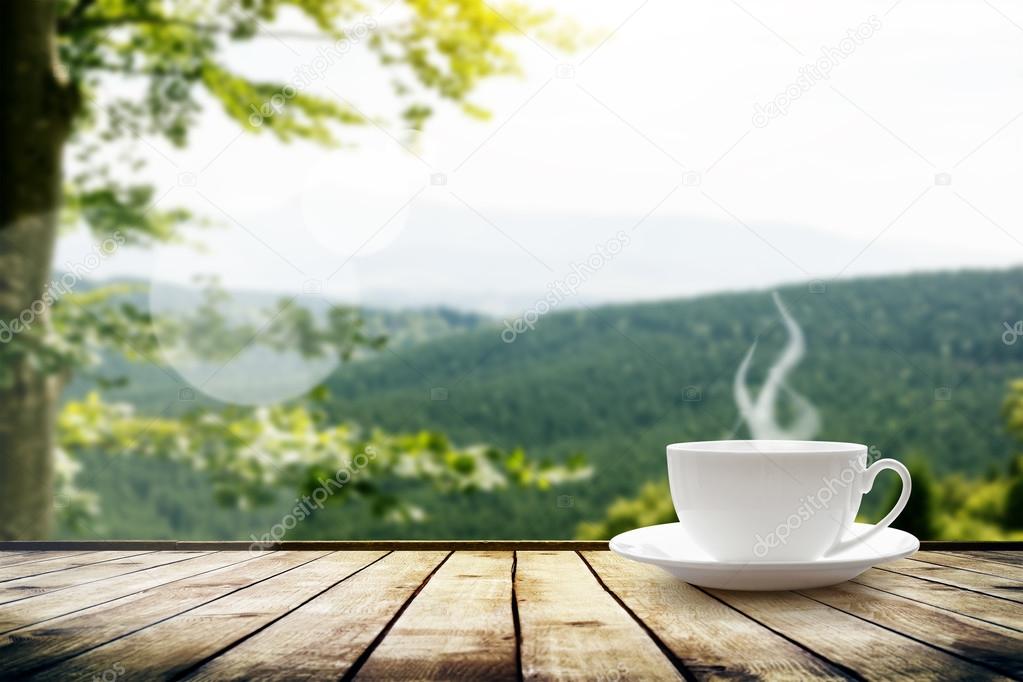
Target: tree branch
(67,26)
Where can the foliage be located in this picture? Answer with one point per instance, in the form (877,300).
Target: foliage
(951,509)
(439,49)
(652,506)
(611,382)
(1012,410)
(172,53)
(918,516)
(251,454)
(1014,504)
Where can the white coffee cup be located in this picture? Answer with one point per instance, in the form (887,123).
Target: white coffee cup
(774,500)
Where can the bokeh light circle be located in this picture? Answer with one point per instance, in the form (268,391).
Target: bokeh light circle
(225,315)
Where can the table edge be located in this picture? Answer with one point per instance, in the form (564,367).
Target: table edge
(392,545)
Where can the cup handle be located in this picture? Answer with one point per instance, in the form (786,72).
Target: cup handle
(867,483)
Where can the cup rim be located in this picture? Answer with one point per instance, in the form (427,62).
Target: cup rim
(772,447)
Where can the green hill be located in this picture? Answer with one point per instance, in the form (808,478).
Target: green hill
(909,364)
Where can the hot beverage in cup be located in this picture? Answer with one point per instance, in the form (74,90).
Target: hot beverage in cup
(774,500)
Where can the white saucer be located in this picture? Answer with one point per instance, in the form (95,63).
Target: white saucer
(668,546)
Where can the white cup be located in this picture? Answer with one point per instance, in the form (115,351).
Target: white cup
(774,500)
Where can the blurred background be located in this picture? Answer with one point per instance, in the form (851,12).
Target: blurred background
(281,269)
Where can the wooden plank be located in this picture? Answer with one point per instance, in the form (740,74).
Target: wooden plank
(571,628)
(969,563)
(701,631)
(7,554)
(973,604)
(60,563)
(43,607)
(40,646)
(997,647)
(324,638)
(14,558)
(171,647)
(460,626)
(867,649)
(1011,558)
(971,545)
(969,580)
(35,585)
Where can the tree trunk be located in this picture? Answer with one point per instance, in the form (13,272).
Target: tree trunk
(34,123)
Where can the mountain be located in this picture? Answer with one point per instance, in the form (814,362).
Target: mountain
(910,365)
(501,260)
(505,260)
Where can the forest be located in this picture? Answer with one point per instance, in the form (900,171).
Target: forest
(919,367)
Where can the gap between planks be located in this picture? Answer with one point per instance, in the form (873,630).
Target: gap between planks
(184,673)
(518,635)
(273,573)
(665,649)
(1005,571)
(985,628)
(31,569)
(706,650)
(360,661)
(945,575)
(940,595)
(59,600)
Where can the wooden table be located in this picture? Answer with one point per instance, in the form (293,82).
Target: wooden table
(500,610)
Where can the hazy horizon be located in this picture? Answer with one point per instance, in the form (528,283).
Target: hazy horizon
(402,303)
(902,157)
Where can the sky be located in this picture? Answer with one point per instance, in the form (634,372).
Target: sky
(897,148)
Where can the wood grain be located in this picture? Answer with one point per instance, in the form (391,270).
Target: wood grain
(968,563)
(60,563)
(969,580)
(460,626)
(171,647)
(13,558)
(43,583)
(135,613)
(973,604)
(322,639)
(1010,558)
(704,633)
(43,607)
(46,644)
(571,628)
(868,649)
(997,647)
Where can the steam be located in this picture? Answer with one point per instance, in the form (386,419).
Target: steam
(760,415)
